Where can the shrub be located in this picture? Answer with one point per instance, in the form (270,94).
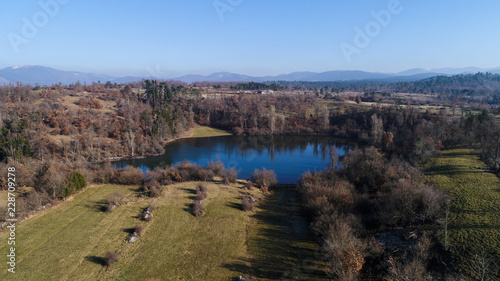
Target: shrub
(152,187)
(110,207)
(367,170)
(198,209)
(174,175)
(150,175)
(88,174)
(206,174)
(147,217)
(49,178)
(105,173)
(163,176)
(201,191)
(138,229)
(344,251)
(193,172)
(217,167)
(117,198)
(110,258)
(201,195)
(264,179)
(238,131)
(185,176)
(147,214)
(154,192)
(148,184)
(409,203)
(230,176)
(89,102)
(76,181)
(247,203)
(33,201)
(203,187)
(128,176)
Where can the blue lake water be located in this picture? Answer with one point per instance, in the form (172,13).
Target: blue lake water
(288,156)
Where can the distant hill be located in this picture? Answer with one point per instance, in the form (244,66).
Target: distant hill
(46,76)
(218,77)
(42,75)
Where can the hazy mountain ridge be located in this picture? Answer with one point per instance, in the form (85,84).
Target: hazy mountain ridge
(46,76)
(42,75)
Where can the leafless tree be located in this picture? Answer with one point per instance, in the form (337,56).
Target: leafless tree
(482,266)
(130,137)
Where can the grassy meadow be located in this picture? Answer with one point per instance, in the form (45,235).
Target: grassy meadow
(475,210)
(68,241)
(204,131)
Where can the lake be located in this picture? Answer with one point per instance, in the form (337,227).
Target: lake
(288,156)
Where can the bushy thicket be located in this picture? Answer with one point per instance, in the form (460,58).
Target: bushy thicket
(115,199)
(147,213)
(247,203)
(201,191)
(183,172)
(110,258)
(128,176)
(198,208)
(264,179)
(74,183)
(411,263)
(139,228)
(369,192)
(151,187)
(228,175)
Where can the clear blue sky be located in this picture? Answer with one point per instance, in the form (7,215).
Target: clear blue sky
(256,37)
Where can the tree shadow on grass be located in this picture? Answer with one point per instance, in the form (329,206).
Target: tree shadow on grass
(234,205)
(450,170)
(98,206)
(96,260)
(189,190)
(129,230)
(283,246)
(188,207)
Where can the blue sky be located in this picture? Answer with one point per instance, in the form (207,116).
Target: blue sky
(255,37)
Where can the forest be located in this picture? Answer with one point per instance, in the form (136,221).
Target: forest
(60,136)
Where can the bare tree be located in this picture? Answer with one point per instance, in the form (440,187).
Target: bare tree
(482,266)
(272,118)
(130,137)
(325,117)
(90,137)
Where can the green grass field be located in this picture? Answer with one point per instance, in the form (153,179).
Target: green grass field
(475,210)
(203,131)
(68,241)
(280,243)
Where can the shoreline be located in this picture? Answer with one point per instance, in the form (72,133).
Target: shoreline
(185,135)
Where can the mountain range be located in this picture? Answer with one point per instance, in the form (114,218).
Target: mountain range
(43,75)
